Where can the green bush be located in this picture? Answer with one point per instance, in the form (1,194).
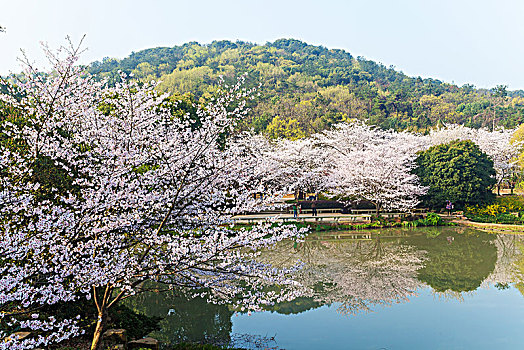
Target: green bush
(433,219)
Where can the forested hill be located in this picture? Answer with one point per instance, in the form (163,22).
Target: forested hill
(306,88)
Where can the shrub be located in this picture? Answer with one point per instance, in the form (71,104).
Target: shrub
(433,219)
(500,212)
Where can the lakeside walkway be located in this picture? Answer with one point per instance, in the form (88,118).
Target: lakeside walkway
(321,217)
(337,218)
(506,228)
(325,215)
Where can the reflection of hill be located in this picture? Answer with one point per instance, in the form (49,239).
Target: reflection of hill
(455,261)
(184,320)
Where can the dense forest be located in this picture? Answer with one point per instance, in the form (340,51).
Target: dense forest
(305,88)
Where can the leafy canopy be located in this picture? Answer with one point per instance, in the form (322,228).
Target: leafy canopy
(457,171)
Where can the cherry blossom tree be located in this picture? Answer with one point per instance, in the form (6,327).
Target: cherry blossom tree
(374,165)
(274,177)
(102,190)
(498,145)
(303,166)
(450,132)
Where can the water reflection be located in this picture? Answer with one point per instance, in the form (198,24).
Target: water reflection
(186,320)
(459,264)
(361,272)
(357,270)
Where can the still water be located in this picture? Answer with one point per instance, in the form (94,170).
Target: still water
(427,288)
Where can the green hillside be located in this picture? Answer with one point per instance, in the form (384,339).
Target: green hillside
(305,88)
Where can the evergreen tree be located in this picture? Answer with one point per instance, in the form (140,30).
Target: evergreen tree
(457,171)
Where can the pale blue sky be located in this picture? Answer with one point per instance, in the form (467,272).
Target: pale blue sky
(479,42)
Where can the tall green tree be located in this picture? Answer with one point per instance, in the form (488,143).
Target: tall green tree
(457,171)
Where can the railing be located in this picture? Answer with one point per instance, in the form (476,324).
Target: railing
(323,210)
(304,218)
(357,215)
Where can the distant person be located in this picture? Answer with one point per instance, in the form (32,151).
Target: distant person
(314,209)
(449,207)
(295,211)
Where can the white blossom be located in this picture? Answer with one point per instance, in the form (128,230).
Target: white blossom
(148,197)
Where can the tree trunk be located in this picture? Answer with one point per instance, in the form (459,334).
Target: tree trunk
(96,344)
(498,189)
(377,206)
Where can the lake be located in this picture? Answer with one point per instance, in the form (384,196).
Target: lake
(424,288)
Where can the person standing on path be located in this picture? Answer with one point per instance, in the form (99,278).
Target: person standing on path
(449,207)
(314,209)
(295,211)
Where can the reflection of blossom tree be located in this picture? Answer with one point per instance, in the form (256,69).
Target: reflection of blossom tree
(508,254)
(518,266)
(358,273)
(451,295)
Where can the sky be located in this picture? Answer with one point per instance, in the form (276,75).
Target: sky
(479,42)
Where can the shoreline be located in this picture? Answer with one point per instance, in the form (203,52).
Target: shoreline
(502,228)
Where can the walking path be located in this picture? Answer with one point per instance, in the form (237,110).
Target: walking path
(462,221)
(321,217)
